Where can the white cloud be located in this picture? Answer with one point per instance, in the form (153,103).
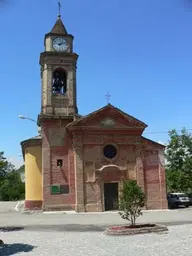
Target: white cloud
(16,161)
(161,142)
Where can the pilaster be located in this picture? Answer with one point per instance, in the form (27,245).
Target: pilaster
(162,180)
(46,171)
(140,169)
(49,85)
(79,173)
(99,192)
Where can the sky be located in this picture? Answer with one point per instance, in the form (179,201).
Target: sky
(138,51)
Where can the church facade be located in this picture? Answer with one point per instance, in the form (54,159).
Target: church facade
(79,162)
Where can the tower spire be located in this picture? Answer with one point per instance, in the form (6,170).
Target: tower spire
(59,27)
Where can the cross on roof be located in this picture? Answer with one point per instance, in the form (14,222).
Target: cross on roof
(59,7)
(108,96)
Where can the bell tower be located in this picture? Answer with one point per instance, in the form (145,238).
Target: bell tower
(58,73)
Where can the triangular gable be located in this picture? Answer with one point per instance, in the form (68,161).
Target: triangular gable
(108,117)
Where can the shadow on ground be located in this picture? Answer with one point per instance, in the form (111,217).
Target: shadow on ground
(88,228)
(67,228)
(13,249)
(79,227)
(11,228)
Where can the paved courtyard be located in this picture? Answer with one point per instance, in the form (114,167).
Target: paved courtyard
(176,242)
(174,217)
(7,206)
(82,234)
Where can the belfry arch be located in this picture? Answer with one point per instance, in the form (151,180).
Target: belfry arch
(59,81)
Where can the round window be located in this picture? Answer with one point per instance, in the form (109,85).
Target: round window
(109,151)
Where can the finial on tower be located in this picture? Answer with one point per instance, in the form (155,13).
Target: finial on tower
(59,27)
(59,7)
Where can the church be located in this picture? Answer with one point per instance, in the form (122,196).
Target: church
(78,162)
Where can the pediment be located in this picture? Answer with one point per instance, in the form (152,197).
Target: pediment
(108,117)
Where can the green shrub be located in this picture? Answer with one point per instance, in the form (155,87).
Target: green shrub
(132,200)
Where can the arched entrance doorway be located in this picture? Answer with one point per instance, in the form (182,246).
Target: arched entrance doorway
(111,177)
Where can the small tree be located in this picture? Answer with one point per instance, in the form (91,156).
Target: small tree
(132,200)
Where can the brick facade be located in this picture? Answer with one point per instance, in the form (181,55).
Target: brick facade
(79,144)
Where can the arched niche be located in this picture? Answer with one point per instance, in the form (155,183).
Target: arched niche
(59,84)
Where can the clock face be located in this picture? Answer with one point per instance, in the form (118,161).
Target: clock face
(60,44)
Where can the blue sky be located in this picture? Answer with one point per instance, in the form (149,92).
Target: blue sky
(138,51)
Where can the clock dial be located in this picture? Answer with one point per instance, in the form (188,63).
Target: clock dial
(60,44)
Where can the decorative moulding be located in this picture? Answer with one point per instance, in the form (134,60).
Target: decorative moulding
(108,122)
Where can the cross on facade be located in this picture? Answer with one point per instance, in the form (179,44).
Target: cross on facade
(59,7)
(108,96)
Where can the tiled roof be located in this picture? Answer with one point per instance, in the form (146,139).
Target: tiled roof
(59,28)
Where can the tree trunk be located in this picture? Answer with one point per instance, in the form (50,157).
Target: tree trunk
(132,221)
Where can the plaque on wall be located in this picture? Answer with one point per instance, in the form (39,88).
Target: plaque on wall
(64,189)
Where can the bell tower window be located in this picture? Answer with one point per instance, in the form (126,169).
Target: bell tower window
(59,82)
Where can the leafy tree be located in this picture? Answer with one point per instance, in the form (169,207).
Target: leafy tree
(21,169)
(11,186)
(21,172)
(179,161)
(3,166)
(132,200)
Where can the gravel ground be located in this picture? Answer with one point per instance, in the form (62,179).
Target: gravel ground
(176,242)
